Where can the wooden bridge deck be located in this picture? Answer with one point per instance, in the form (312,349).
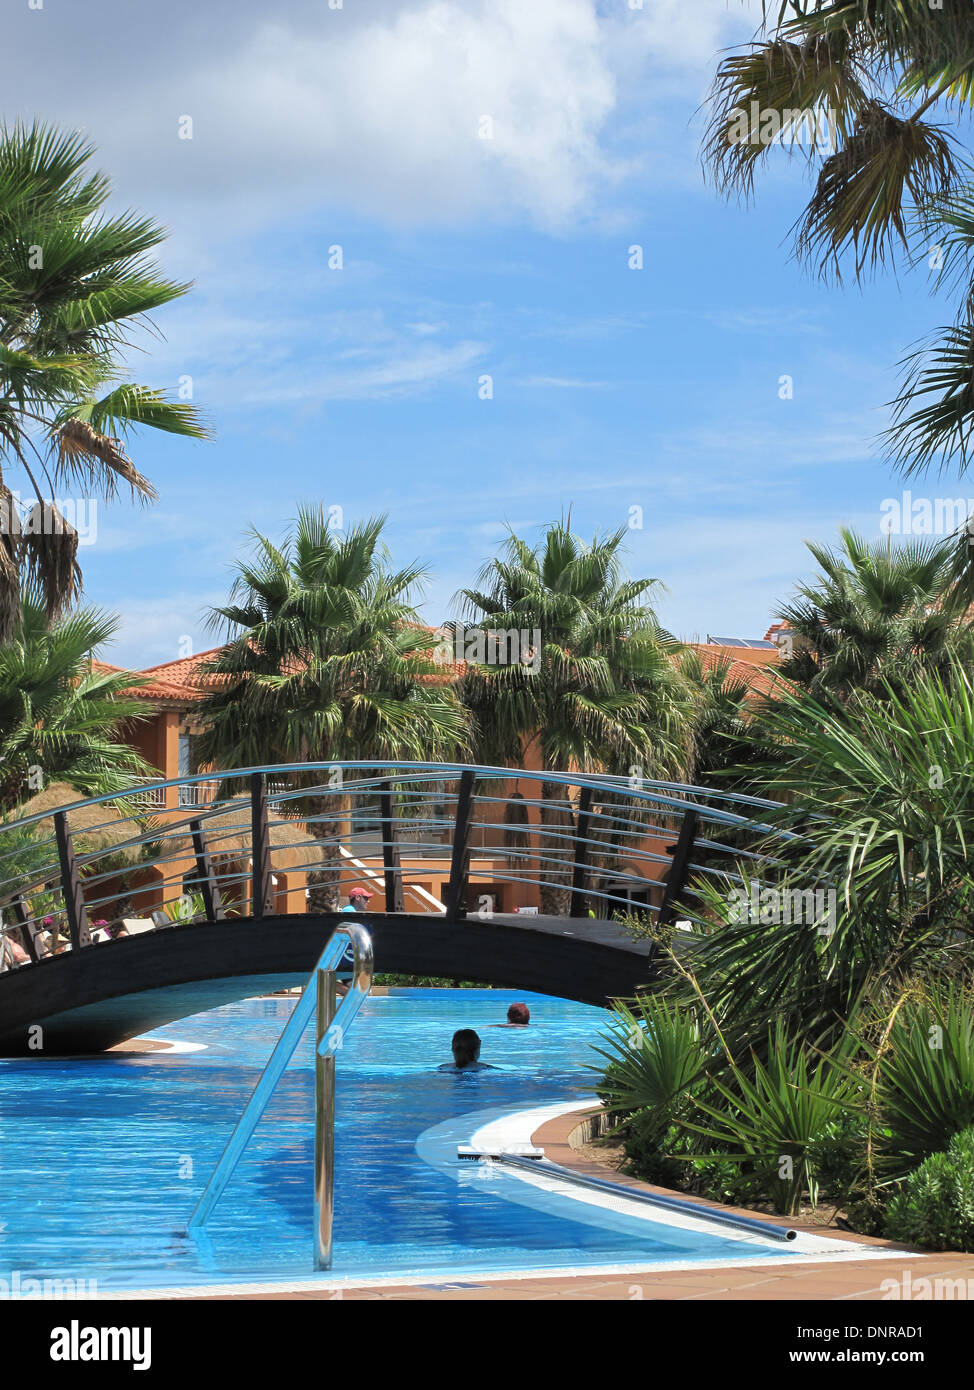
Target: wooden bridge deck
(89,1000)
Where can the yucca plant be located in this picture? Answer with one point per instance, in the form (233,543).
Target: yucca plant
(923,1091)
(782,963)
(886,787)
(185,908)
(769,1118)
(879,796)
(656,1055)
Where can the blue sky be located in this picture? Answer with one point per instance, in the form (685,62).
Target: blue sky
(361,126)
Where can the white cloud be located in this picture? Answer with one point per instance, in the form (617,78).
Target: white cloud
(155,630)
(378,108)
(566,383)
(398,374)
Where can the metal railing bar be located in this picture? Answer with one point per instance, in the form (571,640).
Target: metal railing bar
(293,1031)
(444,772)
(679,808)
(316,998)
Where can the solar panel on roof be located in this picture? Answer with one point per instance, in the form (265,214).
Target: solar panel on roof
(749,643)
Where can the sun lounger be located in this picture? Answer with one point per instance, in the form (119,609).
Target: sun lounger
(135,926)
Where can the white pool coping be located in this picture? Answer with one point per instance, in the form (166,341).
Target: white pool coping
(515,1130)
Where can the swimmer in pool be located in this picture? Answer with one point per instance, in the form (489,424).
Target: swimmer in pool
(466,1053)
(518,1016)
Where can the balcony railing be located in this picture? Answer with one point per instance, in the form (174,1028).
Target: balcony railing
(151,797)
(198,793)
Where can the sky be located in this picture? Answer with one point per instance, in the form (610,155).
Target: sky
(484,168)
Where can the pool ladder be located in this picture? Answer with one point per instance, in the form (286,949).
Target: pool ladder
(318,997)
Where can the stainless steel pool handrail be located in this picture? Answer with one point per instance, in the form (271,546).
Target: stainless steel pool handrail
(318,998)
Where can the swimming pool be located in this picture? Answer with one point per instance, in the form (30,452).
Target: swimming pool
(103,1159)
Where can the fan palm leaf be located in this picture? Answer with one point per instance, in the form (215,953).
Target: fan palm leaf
(74,285)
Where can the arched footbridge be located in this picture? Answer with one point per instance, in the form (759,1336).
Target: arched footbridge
(121,914)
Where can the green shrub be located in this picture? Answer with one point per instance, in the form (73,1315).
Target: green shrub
(770,1121)
(649,1144)
(838,1155)
(935,1207)
(654,1059)
(667,1155)
(925,1086)
(719,1178)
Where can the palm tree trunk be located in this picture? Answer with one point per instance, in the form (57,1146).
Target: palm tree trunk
(555,873)
(324,884)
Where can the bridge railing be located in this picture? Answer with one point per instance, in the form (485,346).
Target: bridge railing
(458,840)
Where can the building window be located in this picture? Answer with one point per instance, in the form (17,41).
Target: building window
(186,757)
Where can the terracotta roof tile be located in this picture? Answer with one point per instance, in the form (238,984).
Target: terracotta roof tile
(759,677)
(186,675)
(150,689)
(184,671)
(182,680)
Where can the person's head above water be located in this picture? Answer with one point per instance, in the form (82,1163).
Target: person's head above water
(519,1014)
(466,1047)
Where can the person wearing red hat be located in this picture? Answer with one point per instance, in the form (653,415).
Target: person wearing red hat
(358,900)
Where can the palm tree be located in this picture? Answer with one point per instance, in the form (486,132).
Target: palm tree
(61,719)
(893,180)
(74,283)
(326,661)
(589,682)
(875,613)
(721,716)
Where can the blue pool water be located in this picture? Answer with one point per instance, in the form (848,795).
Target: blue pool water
(102,1160)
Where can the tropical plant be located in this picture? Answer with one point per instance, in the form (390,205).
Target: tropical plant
(588,683)
(74,283)
(877,613)
(935,1208)
(656,1056)
(871,70)
(721,720)
(63,719)
(186,908)
(879,797)
(326,661)
(886,790)
(923,1092)
(768,1118)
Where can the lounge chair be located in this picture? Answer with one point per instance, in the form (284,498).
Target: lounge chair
(135,926)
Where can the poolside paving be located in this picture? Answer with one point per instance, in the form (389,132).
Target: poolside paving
(816,1281)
